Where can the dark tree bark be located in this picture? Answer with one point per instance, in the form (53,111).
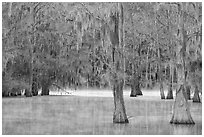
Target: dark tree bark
(175,75)
(32,44)
(160,76)
(45,89)
(135,86)
(135,83)
(14,91)
(133,91)
(116,37)
(138,89)
(162,90)
(45,85)
(28,93)
(170,86)
(196,97)
(188,92)
(5,94)
(170,92)
(147,68)
(35,86)
(119,115)
(5,89)
(161,82)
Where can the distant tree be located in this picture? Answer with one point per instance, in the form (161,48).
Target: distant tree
(135,79)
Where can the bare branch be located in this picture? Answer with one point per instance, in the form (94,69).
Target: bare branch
(91,13)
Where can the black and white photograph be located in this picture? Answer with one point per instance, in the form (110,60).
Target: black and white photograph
(101,68)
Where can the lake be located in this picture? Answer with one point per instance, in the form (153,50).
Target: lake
(91,112)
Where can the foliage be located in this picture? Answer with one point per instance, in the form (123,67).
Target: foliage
(69,43)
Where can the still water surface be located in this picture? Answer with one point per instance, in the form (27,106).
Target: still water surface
(89,114)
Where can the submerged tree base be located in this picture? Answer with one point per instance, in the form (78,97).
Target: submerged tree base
(45,90)
(162,97)
(136,93)
(169,96)
(196,97)
(121,122)
(196,101)
(182,122)
(119,115)
(131,95)
(34,90)
(170,93)
(135,90)
(139,93)
(181,111)
(162,91)
(28,93)
(188,91)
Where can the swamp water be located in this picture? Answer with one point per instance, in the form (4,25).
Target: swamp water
(91,112)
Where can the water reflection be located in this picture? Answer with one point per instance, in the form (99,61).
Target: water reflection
(182,129)
(92,115)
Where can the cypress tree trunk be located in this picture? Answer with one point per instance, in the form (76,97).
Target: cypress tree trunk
(188,91)
(45,89)
(135,85)
(150,76)
(35,85)
(45,85)
(87,84)
(5,93)
(123,46)
(162,90)
(33,79)
(116,36)
(175,75)
(181,110)
(147,67)
(161,82)
(170,86)
(133,91)
(170,91)
(196,97)
(28,93)
(119,115)
(181,113)
(160,77)
(32,44)
(160,74)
